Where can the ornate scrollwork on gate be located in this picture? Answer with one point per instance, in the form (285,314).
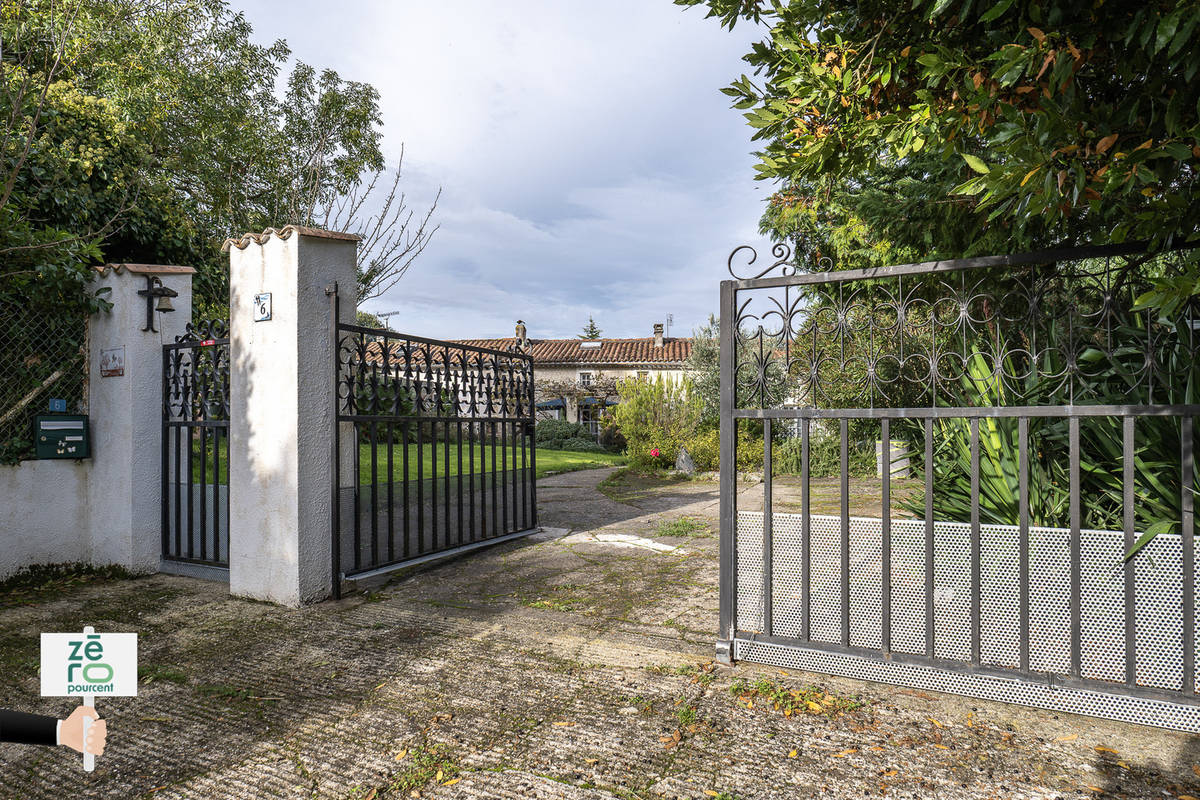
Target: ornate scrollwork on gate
(1034,333)
(388,374)
(196,373)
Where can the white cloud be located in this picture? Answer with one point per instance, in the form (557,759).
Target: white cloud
(588,162)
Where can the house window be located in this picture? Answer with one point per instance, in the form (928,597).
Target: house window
(591,415)
(585,378)
(643,375)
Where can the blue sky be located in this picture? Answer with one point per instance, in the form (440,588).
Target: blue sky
(589,164)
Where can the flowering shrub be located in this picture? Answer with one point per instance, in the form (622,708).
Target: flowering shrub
(656,417)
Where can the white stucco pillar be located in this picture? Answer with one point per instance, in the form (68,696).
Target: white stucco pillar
(125,414)
(281,410)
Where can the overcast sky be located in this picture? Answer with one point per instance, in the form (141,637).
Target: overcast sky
(588,162)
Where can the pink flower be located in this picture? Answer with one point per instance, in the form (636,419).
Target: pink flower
(655,453)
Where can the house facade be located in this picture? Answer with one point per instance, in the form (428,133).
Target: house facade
(576,378)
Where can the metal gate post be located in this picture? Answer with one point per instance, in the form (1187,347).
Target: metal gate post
(728,467)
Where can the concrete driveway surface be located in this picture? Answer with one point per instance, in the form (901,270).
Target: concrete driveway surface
(574,664)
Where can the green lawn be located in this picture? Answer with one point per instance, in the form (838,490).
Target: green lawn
(547,461)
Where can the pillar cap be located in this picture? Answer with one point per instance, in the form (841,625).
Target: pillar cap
(284,233)
(145,269)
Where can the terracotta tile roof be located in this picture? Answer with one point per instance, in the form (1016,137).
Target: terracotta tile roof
(611,351)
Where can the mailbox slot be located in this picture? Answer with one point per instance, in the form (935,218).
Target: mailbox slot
(62,436)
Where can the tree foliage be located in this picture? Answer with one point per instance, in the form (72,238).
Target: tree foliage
(952,126)
(150,130)
(591,330)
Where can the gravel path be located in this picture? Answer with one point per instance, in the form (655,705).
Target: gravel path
(562,666)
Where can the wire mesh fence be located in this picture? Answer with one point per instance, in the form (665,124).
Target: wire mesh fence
(43,355)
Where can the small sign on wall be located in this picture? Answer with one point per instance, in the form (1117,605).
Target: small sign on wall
(112,362)
(262,307)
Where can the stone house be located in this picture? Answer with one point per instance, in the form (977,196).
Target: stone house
(566,369)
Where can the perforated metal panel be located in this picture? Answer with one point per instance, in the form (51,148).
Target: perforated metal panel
(1158,713)
(1158,629)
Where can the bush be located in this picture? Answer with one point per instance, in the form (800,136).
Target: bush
(581,445)
(557,430)
(824,457)
(656,416)
(612,440)
(705,449)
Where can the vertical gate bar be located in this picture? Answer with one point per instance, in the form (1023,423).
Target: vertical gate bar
(845,542)
(532,442)
(1023,544)
(513,438)
(216,494)
(495,526)
(420,550)
(976,561)
(433,483)
(929,537)
(446,486)
(407,526)
(1076,555)
(805,534)
(728,467)
(374,494)
(1127,442)
(191,451)
(503,424)
(767,545)
(164,504)
(458,435)
(471,477)
(1187,541)
(335,460)
(885,633)
(357,500)
(391,484)
(203,491)
(178,470)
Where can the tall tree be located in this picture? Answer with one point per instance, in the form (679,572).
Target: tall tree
(1025,122)
(591,330)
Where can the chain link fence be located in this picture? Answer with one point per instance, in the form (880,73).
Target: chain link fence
(43,355)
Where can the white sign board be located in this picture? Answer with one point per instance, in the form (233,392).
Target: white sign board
(89,664)
(262,307)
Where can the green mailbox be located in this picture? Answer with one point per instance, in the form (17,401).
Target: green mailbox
(62,436)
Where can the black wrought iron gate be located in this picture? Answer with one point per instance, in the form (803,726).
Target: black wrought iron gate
(998,436)
(195,446)
(443,455)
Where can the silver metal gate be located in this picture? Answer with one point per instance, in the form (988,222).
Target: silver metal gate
(1042,551)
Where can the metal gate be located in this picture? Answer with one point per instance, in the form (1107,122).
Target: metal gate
(1029,429)
(195,446)
(442,458)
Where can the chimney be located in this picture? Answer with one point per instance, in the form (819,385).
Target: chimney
(522,336)
(658,334)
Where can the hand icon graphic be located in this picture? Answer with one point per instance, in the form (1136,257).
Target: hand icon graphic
(71,733)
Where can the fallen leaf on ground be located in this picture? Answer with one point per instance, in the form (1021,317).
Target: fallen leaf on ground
(891,773)
(941,747)
(815,707)
(1068,738)
(591,760)
(452,781)
(934,721)
(564,724)
(793,754)
(711,793)
(1196,769)
(438,777)
(1101,749)
(844,753)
